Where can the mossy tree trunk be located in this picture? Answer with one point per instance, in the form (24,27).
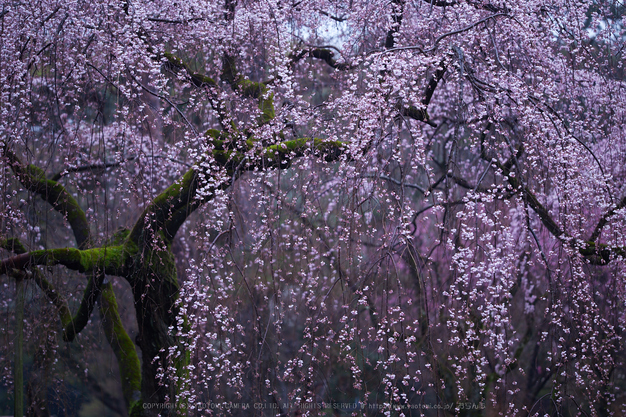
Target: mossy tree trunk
(144,258)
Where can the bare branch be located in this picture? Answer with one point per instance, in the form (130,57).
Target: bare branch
(168,101)
(395,181)
(323,54)
(335,18)
(445,35)
(107,165)
(177,21)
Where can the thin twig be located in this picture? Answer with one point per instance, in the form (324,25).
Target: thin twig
(395,181)
(106,165)
(146,89)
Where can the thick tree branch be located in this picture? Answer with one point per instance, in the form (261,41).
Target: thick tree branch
(421,113)
(248,88)
(34,179)
(75,259)
(600,254)
(441,3)
(397,10)
(80,261)
(111,260)
(323,54)
(537,207)
(123,347)
(596,254)
(477,4)
(604,219)
(174,64)
(335,18)
(172,207)
(529,196)
(54,296)
(432,84)
(13,245)
(415,113)
(87,303)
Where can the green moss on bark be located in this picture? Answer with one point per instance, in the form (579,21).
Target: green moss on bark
(111,259)
(13,245)
(260,92)
(123,347)
(288,150)
(34,179)
(196,78)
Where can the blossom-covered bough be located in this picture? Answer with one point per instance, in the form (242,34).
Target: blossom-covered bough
(406,208)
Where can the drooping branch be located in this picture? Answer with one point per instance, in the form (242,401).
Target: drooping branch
(395,181)
(15,246)
(90,167)
(177,21)
(34,179)
(443,36)
(528,195)
(19,348)
(596,254)
(101,166)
